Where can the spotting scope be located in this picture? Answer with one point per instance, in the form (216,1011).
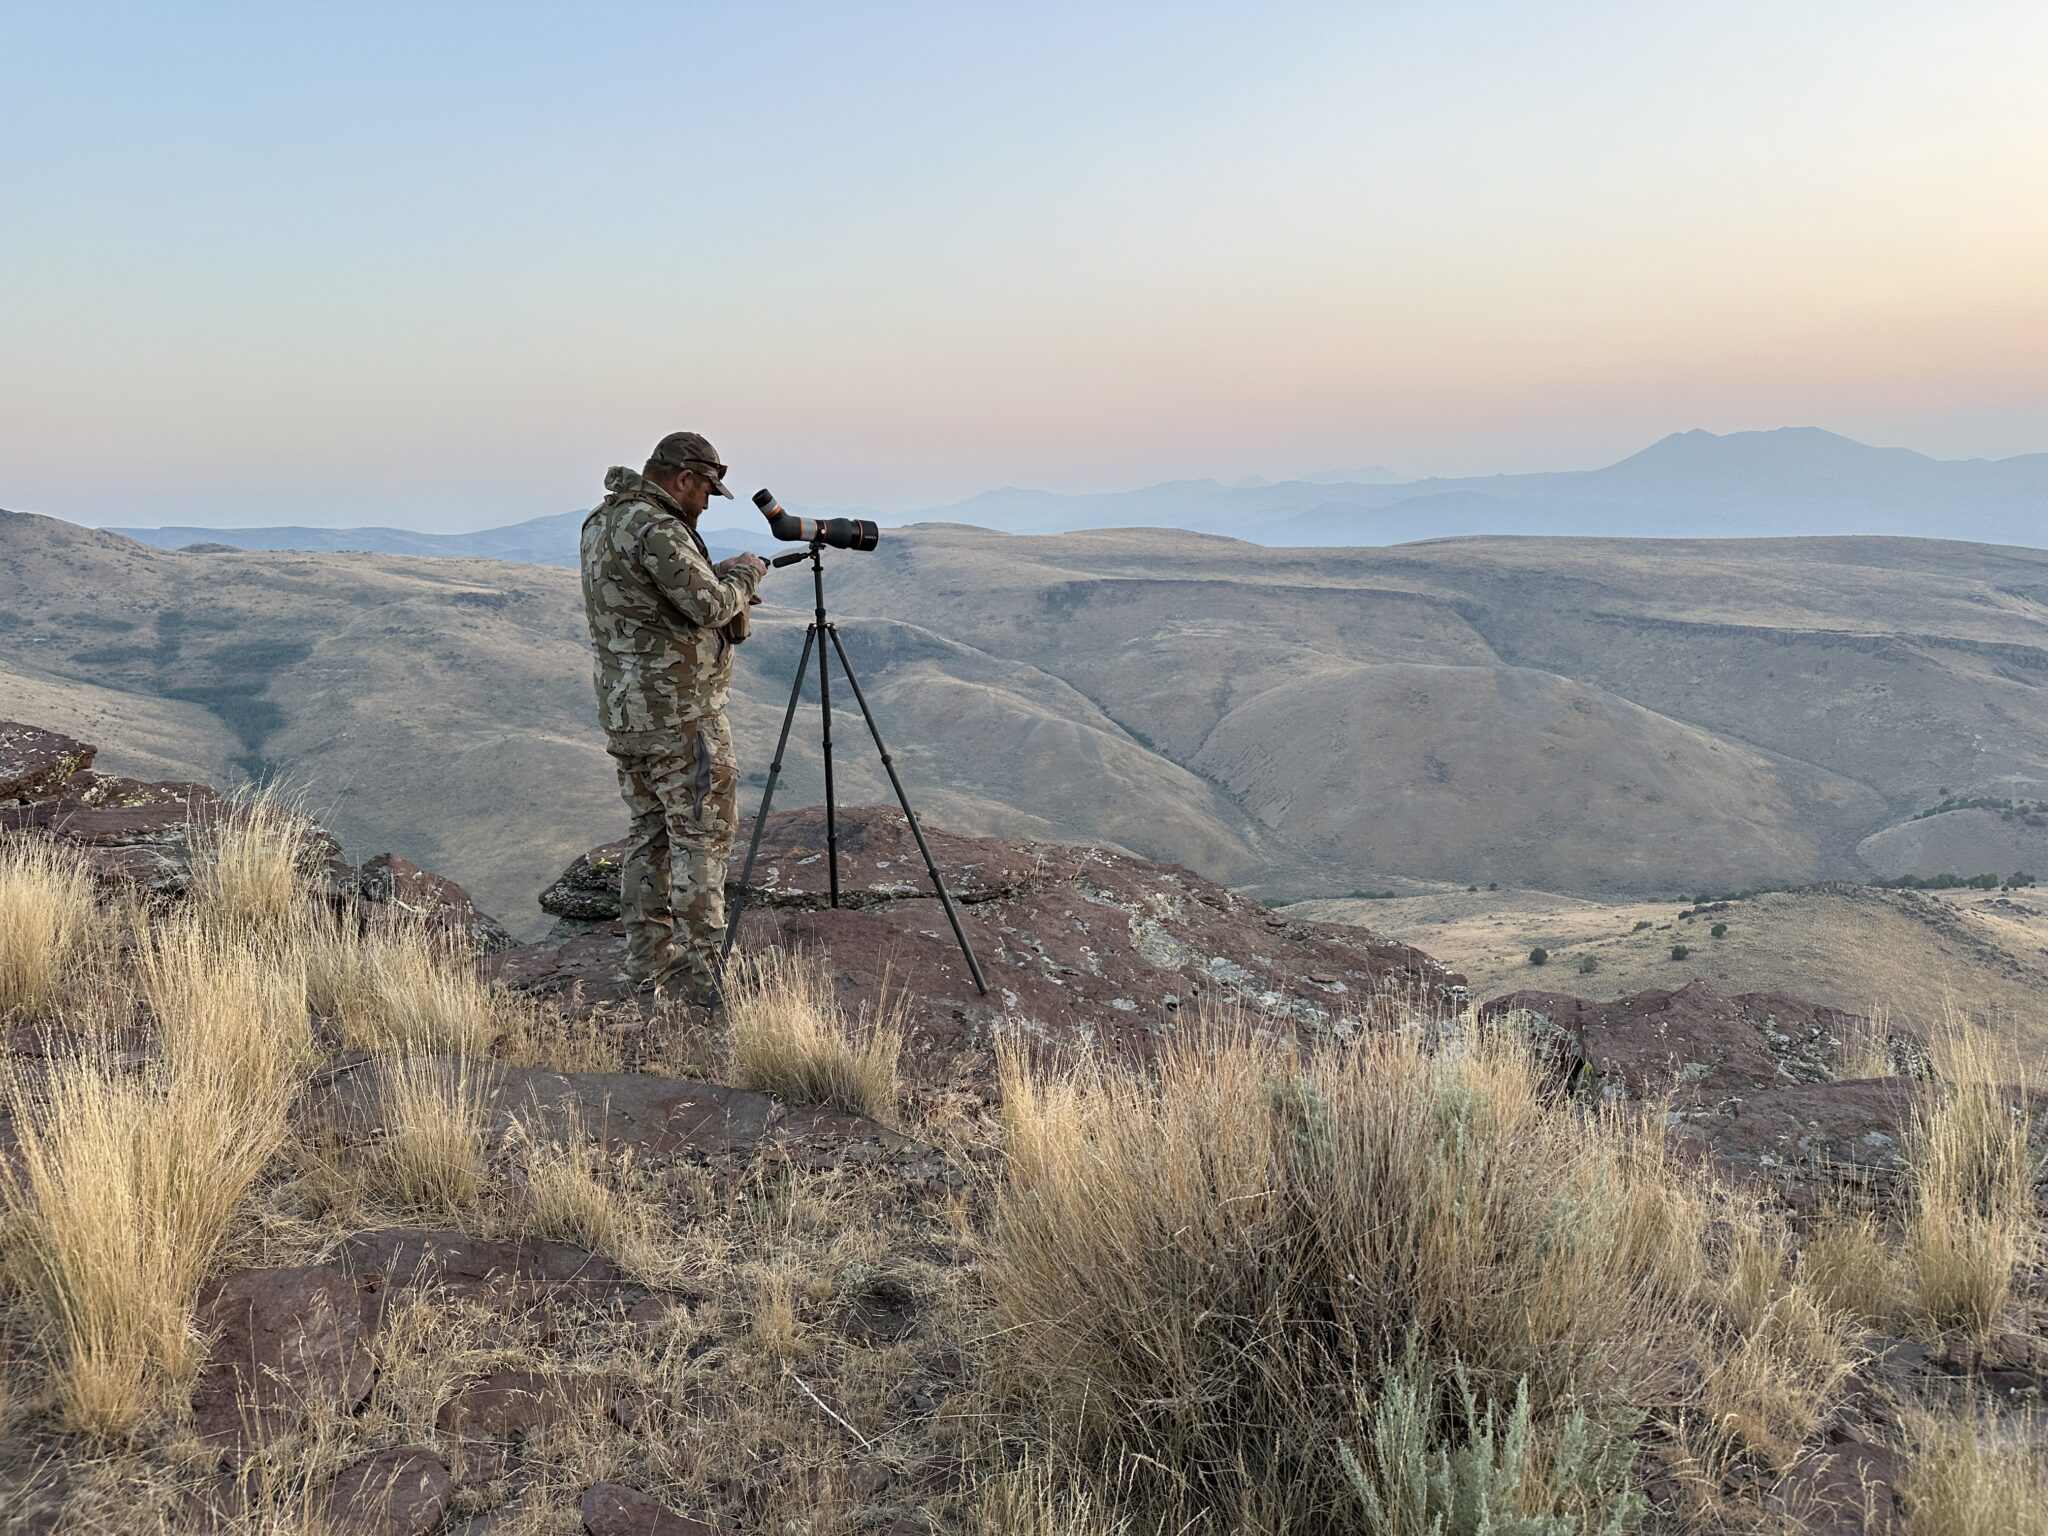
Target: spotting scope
(839,532)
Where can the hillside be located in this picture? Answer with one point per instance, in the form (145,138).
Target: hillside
(537,541)
(1599,717)
(1916,958)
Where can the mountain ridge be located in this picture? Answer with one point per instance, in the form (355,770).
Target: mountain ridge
(1801,481)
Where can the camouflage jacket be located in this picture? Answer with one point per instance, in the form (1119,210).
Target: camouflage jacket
(659,614)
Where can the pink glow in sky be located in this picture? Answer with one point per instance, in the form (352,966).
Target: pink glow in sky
(438,266)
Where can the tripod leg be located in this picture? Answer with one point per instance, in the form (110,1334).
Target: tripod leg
(902,799)
(796,688)
(831,804)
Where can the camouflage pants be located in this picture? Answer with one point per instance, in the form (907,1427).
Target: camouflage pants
(682,787)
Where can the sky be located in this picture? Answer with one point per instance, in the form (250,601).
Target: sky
(438,265)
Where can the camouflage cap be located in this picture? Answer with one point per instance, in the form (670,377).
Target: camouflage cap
(692,450)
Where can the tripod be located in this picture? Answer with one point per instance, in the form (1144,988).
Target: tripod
(822,629)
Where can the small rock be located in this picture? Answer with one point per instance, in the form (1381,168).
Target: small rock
(613,1509)
(283,1340)
(511,1402)
(399,1492)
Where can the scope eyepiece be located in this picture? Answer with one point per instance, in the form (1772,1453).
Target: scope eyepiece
(839,532)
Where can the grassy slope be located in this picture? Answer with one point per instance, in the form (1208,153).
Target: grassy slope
(1912,954)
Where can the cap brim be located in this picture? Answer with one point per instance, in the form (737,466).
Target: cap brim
(718,485)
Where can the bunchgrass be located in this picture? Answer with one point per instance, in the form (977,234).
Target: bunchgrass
(397,985)
(1969,1475)
(49,920)
(250,863)
(1268,1289)
(1970,1217)
(227,1009)
(791,1038)
(124,1188)
(433,1113)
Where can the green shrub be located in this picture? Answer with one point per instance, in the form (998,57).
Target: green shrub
(1539,956)
(1588,965)
(1718,931)
(1679,951)
(1410,1480)
(1641,924)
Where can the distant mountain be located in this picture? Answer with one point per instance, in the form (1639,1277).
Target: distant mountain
(1792,481)
(1371,475)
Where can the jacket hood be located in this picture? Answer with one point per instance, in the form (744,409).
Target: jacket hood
(621,481)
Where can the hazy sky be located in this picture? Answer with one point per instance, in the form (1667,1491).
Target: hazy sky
(437,265)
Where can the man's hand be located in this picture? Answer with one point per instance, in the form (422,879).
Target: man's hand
(760,566)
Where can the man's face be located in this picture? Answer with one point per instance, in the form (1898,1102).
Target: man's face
(693,492)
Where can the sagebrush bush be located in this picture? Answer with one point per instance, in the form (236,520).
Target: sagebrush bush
(48,922)
(1213,1286)
(791,1038)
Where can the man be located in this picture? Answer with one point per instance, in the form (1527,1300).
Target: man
(663,624)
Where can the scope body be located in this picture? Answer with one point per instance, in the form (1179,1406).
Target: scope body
(839,532)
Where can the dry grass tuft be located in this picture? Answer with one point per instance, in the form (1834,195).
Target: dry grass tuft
(249,866)
(1972,1210)
(791,1038)
(227,1011)
(434,1118)
(48,922)
(1849,1265)
(1970,1477)
(1867,1048)
(396,985)
(123,1194)
(1271,1291)
(573,1195)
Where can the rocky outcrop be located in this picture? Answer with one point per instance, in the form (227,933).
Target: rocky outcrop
(35,764)
(1753,1081)
(142,836)
(395,883)
(1079,946)
(399,1492)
